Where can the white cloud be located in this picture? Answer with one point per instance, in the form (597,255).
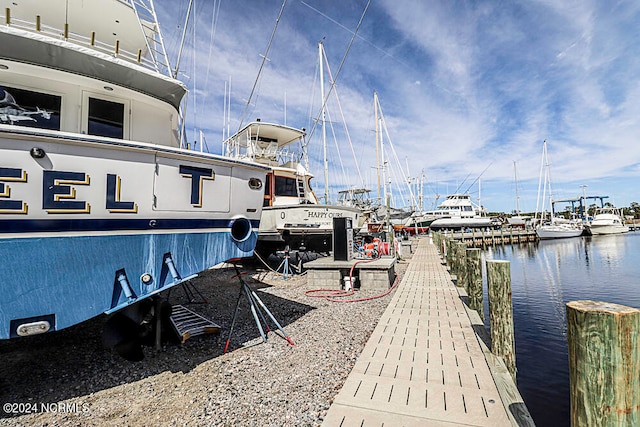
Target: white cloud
(461,84)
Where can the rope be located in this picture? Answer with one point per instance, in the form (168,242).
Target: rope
(344,57)
(264,59)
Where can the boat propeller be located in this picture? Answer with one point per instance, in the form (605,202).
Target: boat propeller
(127,330)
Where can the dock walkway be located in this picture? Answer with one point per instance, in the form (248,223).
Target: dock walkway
(423,364)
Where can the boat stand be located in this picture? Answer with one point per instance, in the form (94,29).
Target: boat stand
(258,309)
(191,293)
(285,265)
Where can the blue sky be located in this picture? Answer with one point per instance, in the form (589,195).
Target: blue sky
(467,88)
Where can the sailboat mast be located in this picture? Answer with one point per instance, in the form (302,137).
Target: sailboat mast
(421,194)
(324,127)
(384,165)
(515,173)
(480,197)
(375,109)
(548,179)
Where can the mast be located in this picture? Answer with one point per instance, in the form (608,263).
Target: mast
(375,109)
(184,34)
(479,198)
(548,179)
(324,127)
(421,194)
(515,173)
(384,164)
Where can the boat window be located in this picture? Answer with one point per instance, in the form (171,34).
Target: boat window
(468,208)
(285,186)
(106,118)
(27,108)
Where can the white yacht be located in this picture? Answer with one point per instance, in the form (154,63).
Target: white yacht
(101,206)
(607,220)
(456,211)
(291,213)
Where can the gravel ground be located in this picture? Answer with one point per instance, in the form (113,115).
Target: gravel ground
(77,382)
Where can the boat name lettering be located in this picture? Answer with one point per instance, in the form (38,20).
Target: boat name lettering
(114,204)
(325,214)
(197,175)
(58,195)
(11,206)
(59,191)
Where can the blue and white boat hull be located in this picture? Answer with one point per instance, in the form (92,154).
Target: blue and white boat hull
(91,225)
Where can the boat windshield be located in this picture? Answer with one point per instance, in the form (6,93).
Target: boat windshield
(285,186)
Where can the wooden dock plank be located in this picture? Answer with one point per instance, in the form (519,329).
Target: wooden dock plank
(423,364)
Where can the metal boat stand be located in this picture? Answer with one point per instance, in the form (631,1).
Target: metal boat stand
(285,265)
(258,309)
(185,322)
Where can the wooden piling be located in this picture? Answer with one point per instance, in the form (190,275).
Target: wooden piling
(474,281)
(501,313)
(604,363)
(461,265)
(450,254)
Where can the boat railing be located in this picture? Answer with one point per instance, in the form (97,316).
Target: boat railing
(288,157)
(89,41)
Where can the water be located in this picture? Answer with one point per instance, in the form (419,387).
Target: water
(544,277)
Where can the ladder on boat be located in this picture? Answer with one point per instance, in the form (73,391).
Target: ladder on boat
(300,188)
(188,323)
(148,22)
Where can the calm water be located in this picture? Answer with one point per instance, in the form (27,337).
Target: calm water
(545,276)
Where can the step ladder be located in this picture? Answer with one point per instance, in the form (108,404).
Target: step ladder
(188,323)
(300,188)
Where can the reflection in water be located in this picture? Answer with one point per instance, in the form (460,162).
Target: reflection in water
(545,276)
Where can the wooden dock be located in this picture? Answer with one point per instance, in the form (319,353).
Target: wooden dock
(423,364)
(481,238)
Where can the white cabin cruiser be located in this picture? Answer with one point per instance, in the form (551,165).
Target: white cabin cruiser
(291,213)
(101,207)
(607,220)
(456,211)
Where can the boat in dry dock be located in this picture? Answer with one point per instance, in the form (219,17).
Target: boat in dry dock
(291,215)
(101,204)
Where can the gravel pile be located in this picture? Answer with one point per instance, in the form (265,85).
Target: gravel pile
(69,379)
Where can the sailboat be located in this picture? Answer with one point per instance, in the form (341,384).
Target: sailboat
(102,206)
(390,209)
(553,227)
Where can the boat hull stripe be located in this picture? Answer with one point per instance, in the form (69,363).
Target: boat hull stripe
(70,225)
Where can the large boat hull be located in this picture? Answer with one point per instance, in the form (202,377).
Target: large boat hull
(607,229)
(90,226)
(462,222)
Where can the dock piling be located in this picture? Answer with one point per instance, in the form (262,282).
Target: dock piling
(604,363)
(461,265)
(501,313)
(474,281)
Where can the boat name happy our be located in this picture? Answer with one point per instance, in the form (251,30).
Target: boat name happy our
(325,214)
